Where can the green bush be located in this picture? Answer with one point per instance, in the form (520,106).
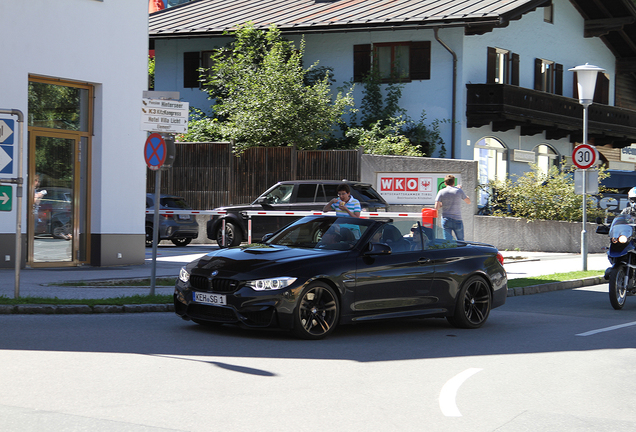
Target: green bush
(537,195)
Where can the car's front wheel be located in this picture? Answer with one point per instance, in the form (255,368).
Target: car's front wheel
(232,235)
(473,304)
(317,312)
(181,241)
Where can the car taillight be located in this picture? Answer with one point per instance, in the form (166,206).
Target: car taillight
(166,216)
(500,258)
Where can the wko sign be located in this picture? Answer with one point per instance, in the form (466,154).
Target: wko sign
(411,188)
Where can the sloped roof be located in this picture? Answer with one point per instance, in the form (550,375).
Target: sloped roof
(212,17)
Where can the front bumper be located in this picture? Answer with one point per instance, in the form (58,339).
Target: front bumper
(244,307)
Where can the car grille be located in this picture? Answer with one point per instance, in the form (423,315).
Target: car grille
(212,313)
(204,283)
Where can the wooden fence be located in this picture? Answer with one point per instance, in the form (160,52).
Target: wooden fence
(208,175)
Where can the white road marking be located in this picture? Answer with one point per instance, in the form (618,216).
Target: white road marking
(449,392)
(606,329)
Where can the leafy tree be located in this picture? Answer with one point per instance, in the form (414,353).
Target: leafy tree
(201,128)
(262,99)
(537,195)
(151,73)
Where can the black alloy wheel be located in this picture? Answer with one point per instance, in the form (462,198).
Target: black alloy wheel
(181,241)
(317,312)
(232,235)
(618,281)
(473,304)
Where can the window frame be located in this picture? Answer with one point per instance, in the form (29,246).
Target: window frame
(419,58)
(502,66)
(548,76)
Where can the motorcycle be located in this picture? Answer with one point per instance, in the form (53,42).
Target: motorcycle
(622,255)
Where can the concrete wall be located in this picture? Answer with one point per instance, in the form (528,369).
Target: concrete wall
(541,236)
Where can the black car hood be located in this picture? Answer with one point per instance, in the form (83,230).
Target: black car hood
(232,261)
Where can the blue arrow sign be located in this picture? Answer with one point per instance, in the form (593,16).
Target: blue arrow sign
(6,159)
(6,131)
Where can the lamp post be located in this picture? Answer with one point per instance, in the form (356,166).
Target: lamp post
(586,82)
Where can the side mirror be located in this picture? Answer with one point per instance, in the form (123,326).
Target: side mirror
(602,229)
(599,220)
(264,202)
(266,237)
(377,249)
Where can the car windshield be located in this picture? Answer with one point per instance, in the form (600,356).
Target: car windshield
(335,233)
(174,202)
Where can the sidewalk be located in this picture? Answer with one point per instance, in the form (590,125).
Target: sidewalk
(45,282)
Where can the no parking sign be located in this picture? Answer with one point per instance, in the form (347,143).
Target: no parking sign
(159,151)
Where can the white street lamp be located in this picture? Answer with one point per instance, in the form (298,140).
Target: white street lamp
(586,81)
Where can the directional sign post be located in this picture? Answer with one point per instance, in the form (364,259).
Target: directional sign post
(6,198)
(6,131)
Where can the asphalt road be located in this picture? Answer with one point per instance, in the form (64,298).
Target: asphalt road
(552,361)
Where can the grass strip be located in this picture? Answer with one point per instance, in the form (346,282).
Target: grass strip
(555,277)
(144,282)
(116,301)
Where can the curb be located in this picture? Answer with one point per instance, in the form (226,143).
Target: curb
(556,286)
(32,309)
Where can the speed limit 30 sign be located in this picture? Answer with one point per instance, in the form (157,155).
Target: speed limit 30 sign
(584,156)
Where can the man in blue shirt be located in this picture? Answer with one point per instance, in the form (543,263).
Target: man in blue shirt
(345,204)
(449,200)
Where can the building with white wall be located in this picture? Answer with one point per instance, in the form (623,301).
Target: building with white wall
(76,69)
(497,71)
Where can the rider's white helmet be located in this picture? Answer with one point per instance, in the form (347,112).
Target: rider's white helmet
(632,196)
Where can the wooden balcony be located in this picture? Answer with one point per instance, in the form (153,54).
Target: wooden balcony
(507,106)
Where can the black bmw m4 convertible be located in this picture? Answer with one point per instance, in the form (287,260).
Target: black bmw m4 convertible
(323,271)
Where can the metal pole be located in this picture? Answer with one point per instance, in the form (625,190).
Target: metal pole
(584,230)
(18,193)
(155,231)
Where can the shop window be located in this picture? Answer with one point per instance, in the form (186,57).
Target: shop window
(491,155)
(547,157)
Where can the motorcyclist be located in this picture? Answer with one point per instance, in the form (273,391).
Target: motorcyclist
(631,208)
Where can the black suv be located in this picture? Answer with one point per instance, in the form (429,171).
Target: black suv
(299,195)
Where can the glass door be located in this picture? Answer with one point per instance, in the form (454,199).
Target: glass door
(57,221)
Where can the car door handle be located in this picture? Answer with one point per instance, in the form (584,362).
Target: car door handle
(424,260)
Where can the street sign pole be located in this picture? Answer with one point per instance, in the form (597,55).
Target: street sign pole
(18,193)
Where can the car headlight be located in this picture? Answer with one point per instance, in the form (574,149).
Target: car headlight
(270,284)
(184,276)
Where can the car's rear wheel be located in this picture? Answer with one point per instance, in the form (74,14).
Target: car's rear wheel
(233,235)
(317,312)
(148,236)
(181,241)
(473,304)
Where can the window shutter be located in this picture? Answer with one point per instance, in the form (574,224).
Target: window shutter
(420,60)
(601,91)
(491,66)
(191,69)
(361,61)
(558,79)
(514,69)
(538,81)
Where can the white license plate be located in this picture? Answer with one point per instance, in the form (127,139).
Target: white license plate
(215,299)
(184,217)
